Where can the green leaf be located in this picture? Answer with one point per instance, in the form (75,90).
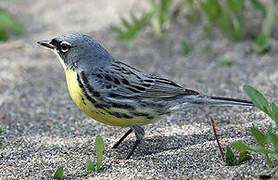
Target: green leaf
(257,98)
(224,62)
(268,161)
(59,174)
(1,129)
(274,139)
(258,135)
(125,23)
(230,157)
(89,165)
(229,154)
(269,131)
(244,156)
(261,40)
(238,145)
(270,18)
(212,9)
(134,19)
(9,24)
(258,5)
(4,36)
(130,29)
(161,15)
(99,151)
(185,48)
(260,148)
(274,113)
(262,43)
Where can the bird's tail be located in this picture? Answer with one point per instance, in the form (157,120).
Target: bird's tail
(193,100)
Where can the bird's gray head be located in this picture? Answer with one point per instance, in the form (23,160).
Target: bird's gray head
(78,51)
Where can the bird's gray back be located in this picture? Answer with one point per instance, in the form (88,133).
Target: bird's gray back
(123,84)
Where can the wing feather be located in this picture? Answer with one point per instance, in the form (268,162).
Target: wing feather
(121,80)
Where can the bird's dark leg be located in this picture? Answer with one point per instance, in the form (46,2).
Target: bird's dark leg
(122,138)
(139,133)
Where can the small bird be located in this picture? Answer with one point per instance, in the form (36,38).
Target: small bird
(118,94)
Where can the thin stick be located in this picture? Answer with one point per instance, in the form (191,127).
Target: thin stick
(216,137)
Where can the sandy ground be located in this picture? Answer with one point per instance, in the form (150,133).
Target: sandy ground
(43,129)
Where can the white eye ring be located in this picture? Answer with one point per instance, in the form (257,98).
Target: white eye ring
(65,46)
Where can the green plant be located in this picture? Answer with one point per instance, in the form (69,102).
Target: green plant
(267,143)
(262,43)
(232,160)
(158,16)
(229,157)
(228,16)
(271,17)
(90,166)
(99,151)
(186,48)
(258,5)
(161,14)
(9,25)
(59,174)
(224,62)
(270,14)
(131,28)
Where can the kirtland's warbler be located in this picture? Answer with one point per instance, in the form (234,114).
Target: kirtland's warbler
(117,94)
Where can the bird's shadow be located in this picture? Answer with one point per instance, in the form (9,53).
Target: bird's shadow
(157,144)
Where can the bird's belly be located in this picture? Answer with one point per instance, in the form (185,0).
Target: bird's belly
(110,116)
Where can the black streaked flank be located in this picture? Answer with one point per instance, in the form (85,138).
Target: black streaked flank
(148,116)
(123,106)
(84,90)
(83,100)
(87,85)
(120,115)
(102,106)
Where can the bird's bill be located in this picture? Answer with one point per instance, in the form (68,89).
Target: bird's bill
(46,43)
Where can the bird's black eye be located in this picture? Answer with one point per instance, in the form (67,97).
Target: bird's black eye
(64,46)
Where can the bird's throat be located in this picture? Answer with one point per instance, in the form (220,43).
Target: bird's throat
(60,59)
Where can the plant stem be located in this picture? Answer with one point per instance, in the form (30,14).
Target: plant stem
(216,137)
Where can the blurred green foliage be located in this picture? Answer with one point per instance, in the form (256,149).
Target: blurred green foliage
(227,16)
(161,15)
(130,29)
(230,17)
(158,16)
(224,62)
(262,43)
(186,48)
(9,25)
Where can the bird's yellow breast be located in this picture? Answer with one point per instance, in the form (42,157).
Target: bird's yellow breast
(98,114)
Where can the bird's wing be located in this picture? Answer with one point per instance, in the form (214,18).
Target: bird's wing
(121,80)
